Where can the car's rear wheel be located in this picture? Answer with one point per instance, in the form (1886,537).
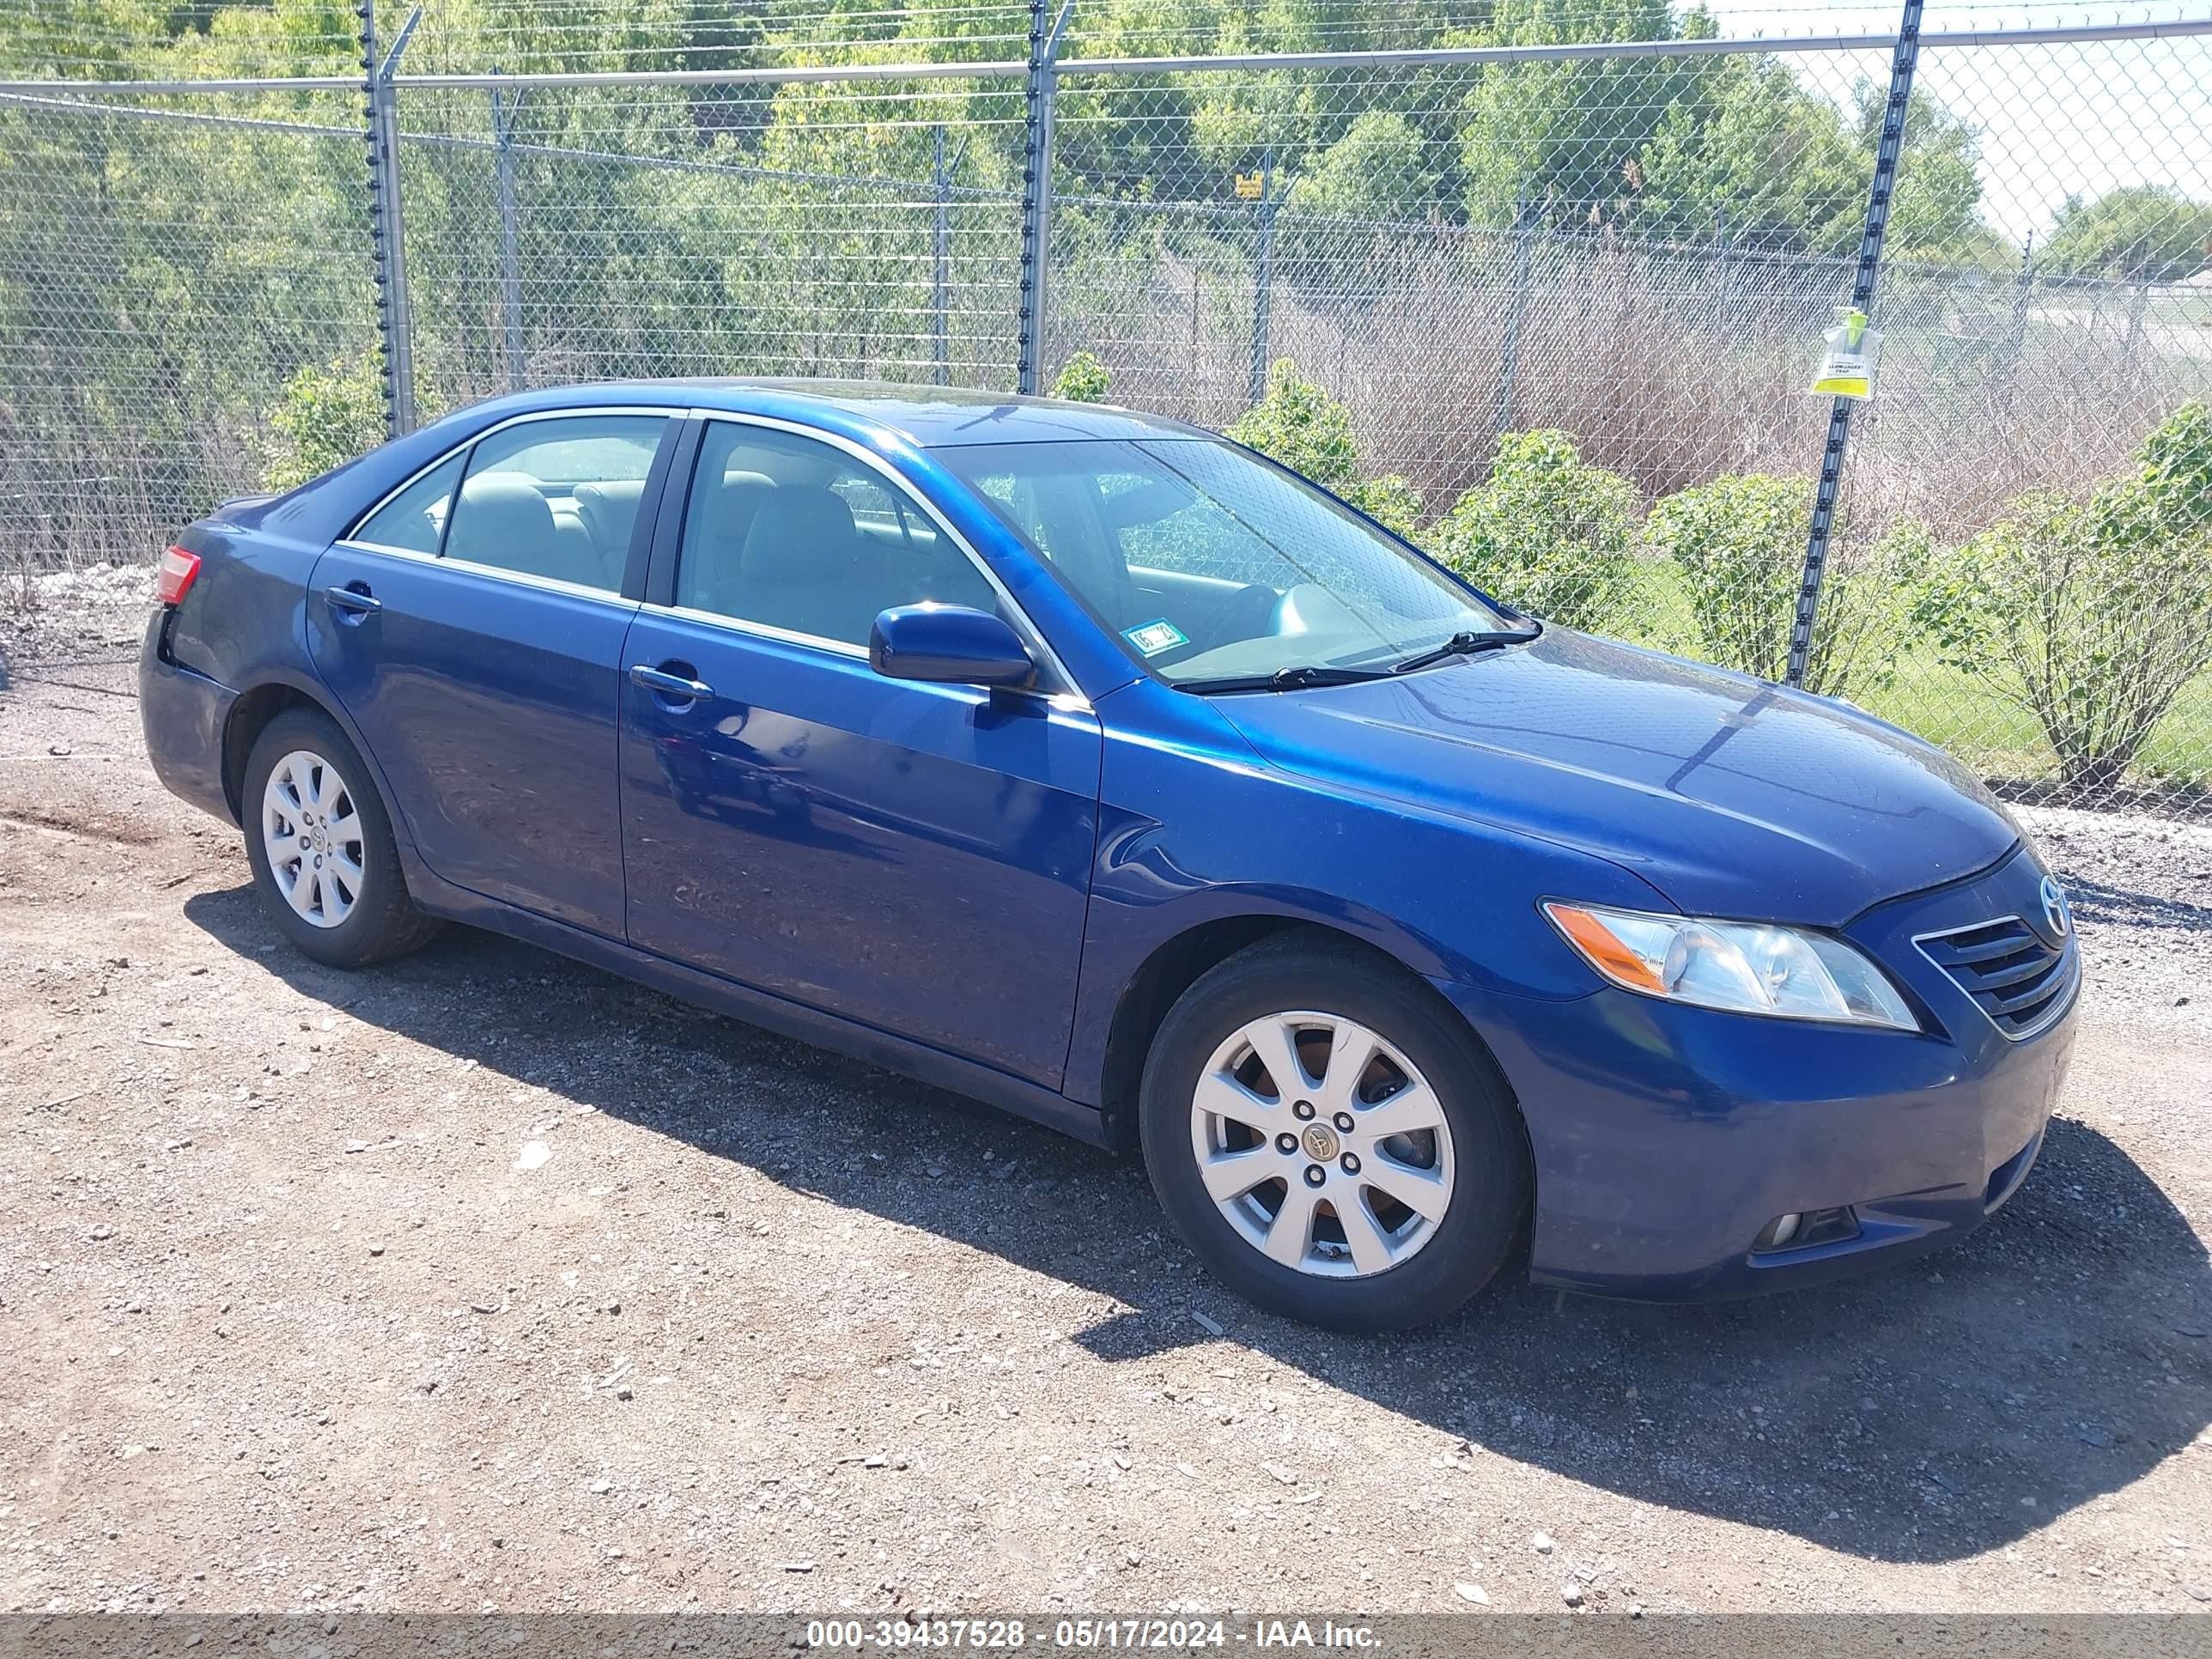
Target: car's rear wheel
(321,844)
(1331,1140)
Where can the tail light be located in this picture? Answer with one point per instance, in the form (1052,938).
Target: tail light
(174,575)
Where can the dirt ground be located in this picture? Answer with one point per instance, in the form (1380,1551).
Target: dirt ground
(484,1280)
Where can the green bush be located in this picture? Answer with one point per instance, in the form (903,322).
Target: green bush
(1310,432)
(1391,502)
(2091,613)
(1304,428)
(1084,378)
(2177,466)
(329,414)
(1740,543)
(1547,532)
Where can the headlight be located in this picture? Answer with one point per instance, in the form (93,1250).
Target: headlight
(1744,967)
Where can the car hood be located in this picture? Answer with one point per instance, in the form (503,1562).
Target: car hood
(1733,797)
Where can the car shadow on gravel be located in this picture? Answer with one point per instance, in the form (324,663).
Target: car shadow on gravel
(1924,1413)
(2101,903)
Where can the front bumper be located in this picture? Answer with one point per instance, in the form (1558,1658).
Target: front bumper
(1666,1137)
(183,715)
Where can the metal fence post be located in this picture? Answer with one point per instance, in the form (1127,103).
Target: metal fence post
(371,133)
(940,272)
(1902,64)
(1263,276)
(1517,313)
(2023,294)
(510,236)
(1724,264)
(1037,193)
(387,228)
(2138,303)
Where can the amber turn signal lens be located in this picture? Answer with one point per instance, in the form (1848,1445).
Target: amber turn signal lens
(1594,940)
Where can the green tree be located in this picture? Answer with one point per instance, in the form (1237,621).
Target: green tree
(1560,140)
(2138,233)
(1935,214)
(1757,158)
(2177,467)
(1378,170)
(1375,175)
(2091,613)
(1754,154)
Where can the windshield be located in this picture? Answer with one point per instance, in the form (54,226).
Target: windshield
(1210,565)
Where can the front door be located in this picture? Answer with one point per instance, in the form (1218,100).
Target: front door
(913,857)
(473,627)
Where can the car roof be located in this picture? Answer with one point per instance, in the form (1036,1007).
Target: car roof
(928,417)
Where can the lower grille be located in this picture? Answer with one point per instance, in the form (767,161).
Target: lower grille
(2015,976)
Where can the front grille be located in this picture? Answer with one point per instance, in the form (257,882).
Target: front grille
(2015,976)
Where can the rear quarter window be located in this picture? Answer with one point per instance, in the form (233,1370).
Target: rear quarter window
(415,519)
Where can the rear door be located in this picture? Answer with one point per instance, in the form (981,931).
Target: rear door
(913,857)
(473,626)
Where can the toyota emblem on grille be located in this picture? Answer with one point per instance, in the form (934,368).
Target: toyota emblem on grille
(2054,908)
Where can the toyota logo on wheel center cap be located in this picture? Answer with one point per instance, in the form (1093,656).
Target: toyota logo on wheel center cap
(2055,913)
(1321,1142)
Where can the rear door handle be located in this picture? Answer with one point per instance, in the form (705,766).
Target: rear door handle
(675,687)
(355,599)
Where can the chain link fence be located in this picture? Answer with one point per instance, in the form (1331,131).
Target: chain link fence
(1546,296)
(166,271)
(636,231)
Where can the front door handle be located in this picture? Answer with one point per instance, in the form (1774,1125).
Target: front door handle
(677,688)
(354,599)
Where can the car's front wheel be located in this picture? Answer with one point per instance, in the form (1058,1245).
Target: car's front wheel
(1330,1140)
(321,847)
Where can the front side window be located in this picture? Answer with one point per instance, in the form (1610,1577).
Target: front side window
(1208,564)
(555,498)
(795,534)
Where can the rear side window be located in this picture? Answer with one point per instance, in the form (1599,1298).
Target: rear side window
(413,520)
(556,498)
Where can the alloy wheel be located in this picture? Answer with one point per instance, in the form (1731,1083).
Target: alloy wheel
(1321,1145)
(312,835)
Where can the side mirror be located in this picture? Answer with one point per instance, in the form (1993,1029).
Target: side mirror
(950,644)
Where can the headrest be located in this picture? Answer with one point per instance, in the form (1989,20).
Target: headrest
(609,509)
(731,514)
(800,533)
(499,511)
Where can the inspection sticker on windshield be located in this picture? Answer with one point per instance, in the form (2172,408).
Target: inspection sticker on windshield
(1153,637)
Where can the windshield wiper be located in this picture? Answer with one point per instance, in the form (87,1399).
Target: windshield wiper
(1295,678)
(1463,645)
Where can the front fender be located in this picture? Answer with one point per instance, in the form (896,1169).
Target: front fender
(1195,829)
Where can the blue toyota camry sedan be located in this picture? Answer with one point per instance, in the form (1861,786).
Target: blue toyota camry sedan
(1088,763)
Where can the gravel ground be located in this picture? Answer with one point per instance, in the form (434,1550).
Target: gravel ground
(485,1280)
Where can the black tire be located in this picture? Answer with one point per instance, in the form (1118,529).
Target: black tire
(384,922)
(1487,1209)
